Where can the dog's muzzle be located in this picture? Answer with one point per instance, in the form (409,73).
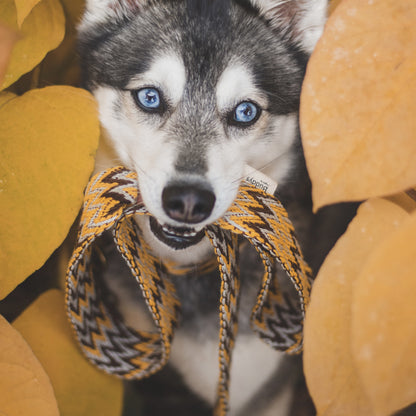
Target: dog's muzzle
(187,204)
(177,238)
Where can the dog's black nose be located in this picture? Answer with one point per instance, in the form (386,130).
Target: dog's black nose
(187,203)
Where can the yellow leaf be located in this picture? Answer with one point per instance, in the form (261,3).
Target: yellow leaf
(406,200)
(333,5)
(74,10)
(48,140)
(25,388)
(331,372)
(357,105)
(384,324)
(61,66)
(80,388)
(42,30)
(8,39)
(23,8)
(6,96)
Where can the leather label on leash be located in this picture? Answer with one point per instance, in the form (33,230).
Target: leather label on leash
(259,180)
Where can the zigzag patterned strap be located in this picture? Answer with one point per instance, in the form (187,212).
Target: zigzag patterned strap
(111,199)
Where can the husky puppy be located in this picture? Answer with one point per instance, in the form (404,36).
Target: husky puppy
(189,92)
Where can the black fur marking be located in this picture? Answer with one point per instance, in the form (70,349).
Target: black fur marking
(248,7)
(208,34)
(207,9)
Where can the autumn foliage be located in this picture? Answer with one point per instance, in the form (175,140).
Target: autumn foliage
(49,132)
(359,136)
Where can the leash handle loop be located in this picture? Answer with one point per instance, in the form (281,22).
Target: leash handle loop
(111,199)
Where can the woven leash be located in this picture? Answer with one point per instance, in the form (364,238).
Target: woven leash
(111,200)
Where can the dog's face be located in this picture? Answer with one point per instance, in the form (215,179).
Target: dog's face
(190,91)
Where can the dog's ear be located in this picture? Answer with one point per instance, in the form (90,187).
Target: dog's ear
(99,11)
(301,20)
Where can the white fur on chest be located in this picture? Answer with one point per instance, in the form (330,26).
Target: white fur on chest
(253,363)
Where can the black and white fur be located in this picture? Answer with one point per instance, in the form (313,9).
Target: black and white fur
(205,57)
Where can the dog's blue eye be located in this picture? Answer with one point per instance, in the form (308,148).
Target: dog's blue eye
(246,113)
(149,98)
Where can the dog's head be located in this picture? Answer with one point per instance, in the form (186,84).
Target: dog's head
(189,91)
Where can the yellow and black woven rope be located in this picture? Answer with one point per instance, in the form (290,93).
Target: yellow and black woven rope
(111,200)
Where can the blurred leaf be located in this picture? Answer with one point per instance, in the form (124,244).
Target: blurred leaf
(48,137)
(73,10)
(23,8)
(61,66)
(331,369)
(406,200)
(4,97)
(357,104)
(25,388)
(42,30)
(80,388)
(8,38)
(384,324)
(333,4)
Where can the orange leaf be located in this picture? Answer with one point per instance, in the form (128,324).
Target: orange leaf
(41,31)
(6,96)
(61,66)
(357,105)
(383,322)
(333,5)
(8,39)
(25,388)
(23,8)
(330,368)
(80,388)
(48,140)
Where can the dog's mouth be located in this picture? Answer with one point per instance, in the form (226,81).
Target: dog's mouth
(177,238)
